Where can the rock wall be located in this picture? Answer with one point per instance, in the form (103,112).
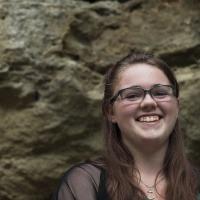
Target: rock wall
(53,54)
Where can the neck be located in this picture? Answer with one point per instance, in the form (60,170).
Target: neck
(150,177)
(149,157)
(149,160)
(149,164)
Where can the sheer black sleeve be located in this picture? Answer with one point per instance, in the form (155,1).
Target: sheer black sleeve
(81,182)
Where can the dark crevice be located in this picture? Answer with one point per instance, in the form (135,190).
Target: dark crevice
(91,1)
(13,98)
(131,5)
(101,11)
(74,57)
(98,69)
(182,58)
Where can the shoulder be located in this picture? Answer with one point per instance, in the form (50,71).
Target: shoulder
(82,172)
(81,181)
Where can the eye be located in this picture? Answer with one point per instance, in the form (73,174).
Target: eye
(132,94)
(161,91)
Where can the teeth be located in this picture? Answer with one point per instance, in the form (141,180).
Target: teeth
(149,118)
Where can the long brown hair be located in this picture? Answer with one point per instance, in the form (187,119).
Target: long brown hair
(180,176)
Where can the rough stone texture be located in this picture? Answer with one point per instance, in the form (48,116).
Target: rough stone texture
(189,78)
(53,54)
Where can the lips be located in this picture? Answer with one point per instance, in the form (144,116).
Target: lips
(149,118)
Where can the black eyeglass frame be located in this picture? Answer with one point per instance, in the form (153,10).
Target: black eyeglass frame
(113,98)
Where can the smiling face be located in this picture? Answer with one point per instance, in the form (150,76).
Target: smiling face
(148,120)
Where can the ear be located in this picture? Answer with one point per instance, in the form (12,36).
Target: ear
(111,114)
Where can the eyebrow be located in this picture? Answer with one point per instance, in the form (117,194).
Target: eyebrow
(139,86)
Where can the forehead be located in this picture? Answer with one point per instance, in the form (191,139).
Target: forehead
(144,75)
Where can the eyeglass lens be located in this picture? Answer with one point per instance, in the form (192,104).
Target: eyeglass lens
(137,94)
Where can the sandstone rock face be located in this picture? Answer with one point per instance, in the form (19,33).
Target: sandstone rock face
(53,55)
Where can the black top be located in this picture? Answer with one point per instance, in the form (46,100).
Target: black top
(85,181)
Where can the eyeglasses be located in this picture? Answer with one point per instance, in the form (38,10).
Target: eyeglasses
(136,93)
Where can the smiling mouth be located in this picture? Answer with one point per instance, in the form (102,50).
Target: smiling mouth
(152,118)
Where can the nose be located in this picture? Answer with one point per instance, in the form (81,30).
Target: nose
(148,103)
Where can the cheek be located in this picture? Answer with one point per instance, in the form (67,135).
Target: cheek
(124,112)
(175,109)
(172,112)
(170,108)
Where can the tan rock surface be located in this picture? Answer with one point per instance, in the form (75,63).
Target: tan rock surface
(53,55)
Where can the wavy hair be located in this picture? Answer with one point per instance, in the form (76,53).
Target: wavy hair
(180,175)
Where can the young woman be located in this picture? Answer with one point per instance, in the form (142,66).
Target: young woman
(144,153)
